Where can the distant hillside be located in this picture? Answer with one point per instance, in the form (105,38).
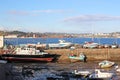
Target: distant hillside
(16,32)
(2,33)
(58,35)
(19,33)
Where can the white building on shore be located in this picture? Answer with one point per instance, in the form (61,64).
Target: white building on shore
(1,41)
(11,36)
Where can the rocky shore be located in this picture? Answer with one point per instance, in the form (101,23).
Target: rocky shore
(5,71)
(2,72)
(92,54)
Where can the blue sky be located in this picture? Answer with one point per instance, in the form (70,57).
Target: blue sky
(69,16)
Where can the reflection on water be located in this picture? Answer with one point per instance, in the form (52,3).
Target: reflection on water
(40,71)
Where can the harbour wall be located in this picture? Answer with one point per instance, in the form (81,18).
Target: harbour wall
(91,54)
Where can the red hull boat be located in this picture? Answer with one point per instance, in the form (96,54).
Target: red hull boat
(28,54)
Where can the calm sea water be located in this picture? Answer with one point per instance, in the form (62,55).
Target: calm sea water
(17,41)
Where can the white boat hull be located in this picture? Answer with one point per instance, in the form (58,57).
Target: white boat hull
(106,64)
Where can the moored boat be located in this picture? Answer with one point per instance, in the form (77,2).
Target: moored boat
(61,44)
(106,64)
(99,75)
(90,45)
(82,73)
(28,54)
(81,57)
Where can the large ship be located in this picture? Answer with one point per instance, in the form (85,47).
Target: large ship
(28,54)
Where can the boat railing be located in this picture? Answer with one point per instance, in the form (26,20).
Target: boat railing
(9,51)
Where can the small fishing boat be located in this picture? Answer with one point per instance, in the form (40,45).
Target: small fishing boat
(81,57)
(106,64)
(82,73)
(114,46)
(28,54)
(99,75)
(90,45)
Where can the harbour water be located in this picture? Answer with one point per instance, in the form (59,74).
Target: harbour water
(40,71)
(17,41)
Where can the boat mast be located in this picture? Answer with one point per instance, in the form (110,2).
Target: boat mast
(92,32)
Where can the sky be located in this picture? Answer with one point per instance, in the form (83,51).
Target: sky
(60,16)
